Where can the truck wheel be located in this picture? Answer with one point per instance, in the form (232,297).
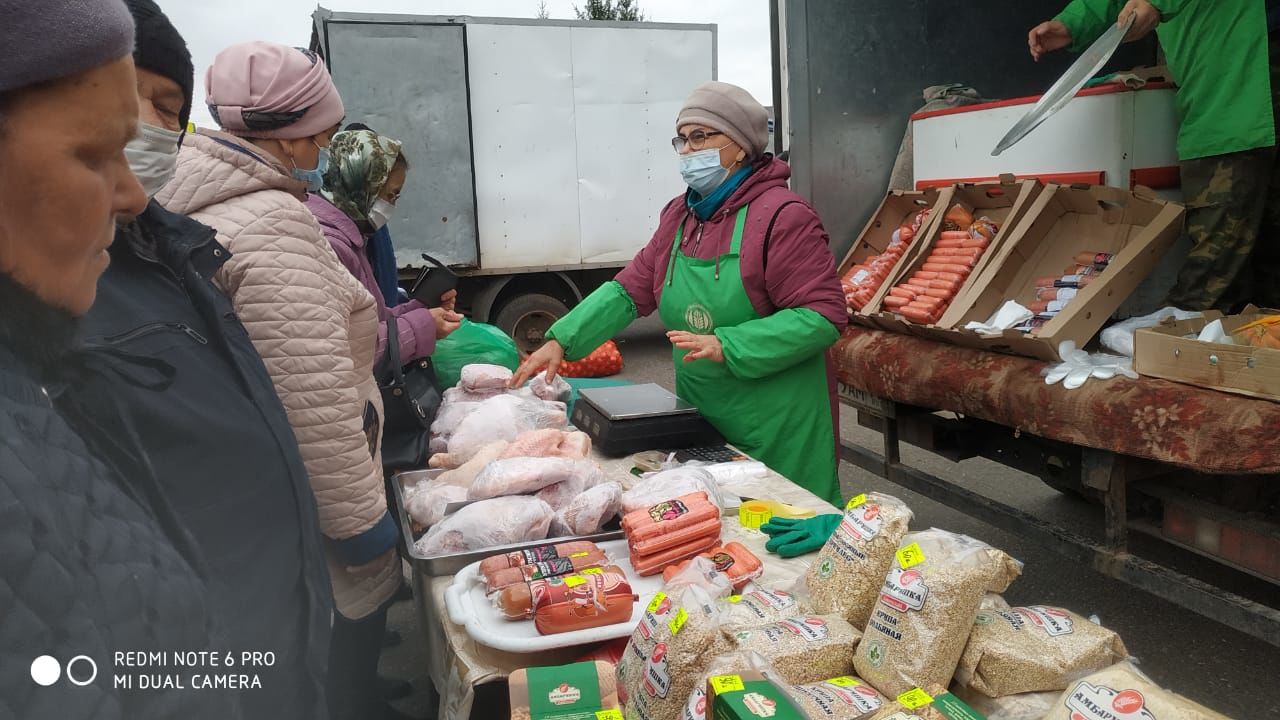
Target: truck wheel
(526,318)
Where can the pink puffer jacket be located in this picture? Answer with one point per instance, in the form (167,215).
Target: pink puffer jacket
(315,327)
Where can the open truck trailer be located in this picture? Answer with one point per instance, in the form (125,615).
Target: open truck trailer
(1187,478)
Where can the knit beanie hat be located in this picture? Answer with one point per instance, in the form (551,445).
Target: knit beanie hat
(732,111)
(50,39)
(266,90)
(161,49)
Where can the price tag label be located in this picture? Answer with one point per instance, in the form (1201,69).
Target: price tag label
(574,581)
(593,571)
(915,698)
(579,554)
(856,501)
(610,714)
(657,602)
(678,621)
(843,681)
(910,556)
(735,598)
(727,683)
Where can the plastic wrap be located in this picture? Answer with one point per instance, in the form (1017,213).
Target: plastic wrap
(549,443)
(1118,338)
(668,484)
(465,474)
(482,378)
(919,626)
(426,505)
(846,576)
(1034,649)
(502,418)
(1025,706)
(586,513)
(518,476)
(500,521)
(557,389)
(563,493)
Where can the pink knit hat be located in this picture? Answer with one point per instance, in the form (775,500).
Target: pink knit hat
(265,90)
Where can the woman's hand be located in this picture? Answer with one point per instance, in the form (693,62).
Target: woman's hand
(446,322)
(548,357)
(1145,19)
(1047,37)
(449,300)
(699,347)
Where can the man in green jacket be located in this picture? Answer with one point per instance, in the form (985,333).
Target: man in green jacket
(1222,56)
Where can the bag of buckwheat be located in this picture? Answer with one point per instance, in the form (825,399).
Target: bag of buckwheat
(758,605)
(1024,706)
(1122,692)
(926,609)
(846,576)
(1034,649)
(803,649)
(676,638)
(840,698)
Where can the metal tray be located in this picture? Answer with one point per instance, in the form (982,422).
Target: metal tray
(445,565)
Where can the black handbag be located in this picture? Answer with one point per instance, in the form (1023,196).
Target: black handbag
(410,399)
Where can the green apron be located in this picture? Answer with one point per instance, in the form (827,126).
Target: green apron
(783,420)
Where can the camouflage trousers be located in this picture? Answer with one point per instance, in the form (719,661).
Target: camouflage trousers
(1233,220)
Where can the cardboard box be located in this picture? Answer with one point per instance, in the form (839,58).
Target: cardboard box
(1005,202)
(898,207)
(1136,227)
(563,692)
(1167,352)
(748,696)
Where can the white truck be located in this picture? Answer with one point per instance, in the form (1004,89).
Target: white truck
(539,150)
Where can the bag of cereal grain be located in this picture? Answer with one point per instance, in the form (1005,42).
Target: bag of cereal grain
(1121,691)
(1034,649)
(926,609)
(846,577)
(840,698)
(803,649)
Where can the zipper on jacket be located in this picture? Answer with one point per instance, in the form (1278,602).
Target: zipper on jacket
(158,327)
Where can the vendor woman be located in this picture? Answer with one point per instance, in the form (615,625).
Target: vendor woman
(740,272)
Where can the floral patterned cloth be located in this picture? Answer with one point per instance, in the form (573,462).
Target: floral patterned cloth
(1183,425)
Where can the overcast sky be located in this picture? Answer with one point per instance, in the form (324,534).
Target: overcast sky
(212,25)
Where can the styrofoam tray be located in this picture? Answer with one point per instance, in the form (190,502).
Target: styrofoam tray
(469,607)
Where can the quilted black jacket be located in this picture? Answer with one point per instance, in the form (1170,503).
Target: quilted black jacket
(91,563)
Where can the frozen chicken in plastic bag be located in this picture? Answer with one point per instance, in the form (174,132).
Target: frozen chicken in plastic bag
(500,521)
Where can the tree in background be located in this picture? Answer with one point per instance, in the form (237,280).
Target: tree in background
(543,13)
(627,10)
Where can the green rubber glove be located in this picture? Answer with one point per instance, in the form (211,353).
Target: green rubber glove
(789,537)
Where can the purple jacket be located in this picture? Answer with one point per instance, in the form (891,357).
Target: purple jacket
(796,270)
(413,319)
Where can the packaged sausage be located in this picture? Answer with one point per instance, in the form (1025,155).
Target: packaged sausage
(655,563)
(536,554)
(957,218)
(733,560)
(544,569)
(581,689)
(517,602)
(670,523)
(585,604)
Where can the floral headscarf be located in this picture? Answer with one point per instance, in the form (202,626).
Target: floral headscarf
(360,163)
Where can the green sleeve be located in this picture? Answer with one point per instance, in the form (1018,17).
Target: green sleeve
(1169,8)
(601,315)
(760,348)
(1088,19)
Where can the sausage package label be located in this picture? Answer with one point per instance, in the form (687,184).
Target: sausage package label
(904,590)
(1099,702)
(668,510)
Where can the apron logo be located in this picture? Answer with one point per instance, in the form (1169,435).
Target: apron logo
(698,319)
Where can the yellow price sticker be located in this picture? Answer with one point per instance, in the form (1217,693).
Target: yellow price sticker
(914,698)
(610,714)
(678,621)
(735,598)
(593,571)
(579,554)
(856,501)
(727,683)
(843,681)
(910,556)
(657,602)
(574,581)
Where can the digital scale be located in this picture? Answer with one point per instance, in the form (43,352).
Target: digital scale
(628,419)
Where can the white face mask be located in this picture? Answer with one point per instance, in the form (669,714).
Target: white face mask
(380,213)
(153,156)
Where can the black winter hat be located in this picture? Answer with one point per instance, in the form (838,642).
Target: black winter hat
(161,49)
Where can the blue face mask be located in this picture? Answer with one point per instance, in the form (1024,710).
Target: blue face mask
(314,178)
(702,170)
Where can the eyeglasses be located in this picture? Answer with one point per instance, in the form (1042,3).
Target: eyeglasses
(696,140)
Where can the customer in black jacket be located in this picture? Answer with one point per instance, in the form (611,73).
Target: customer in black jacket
(217,436)
(92,561)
